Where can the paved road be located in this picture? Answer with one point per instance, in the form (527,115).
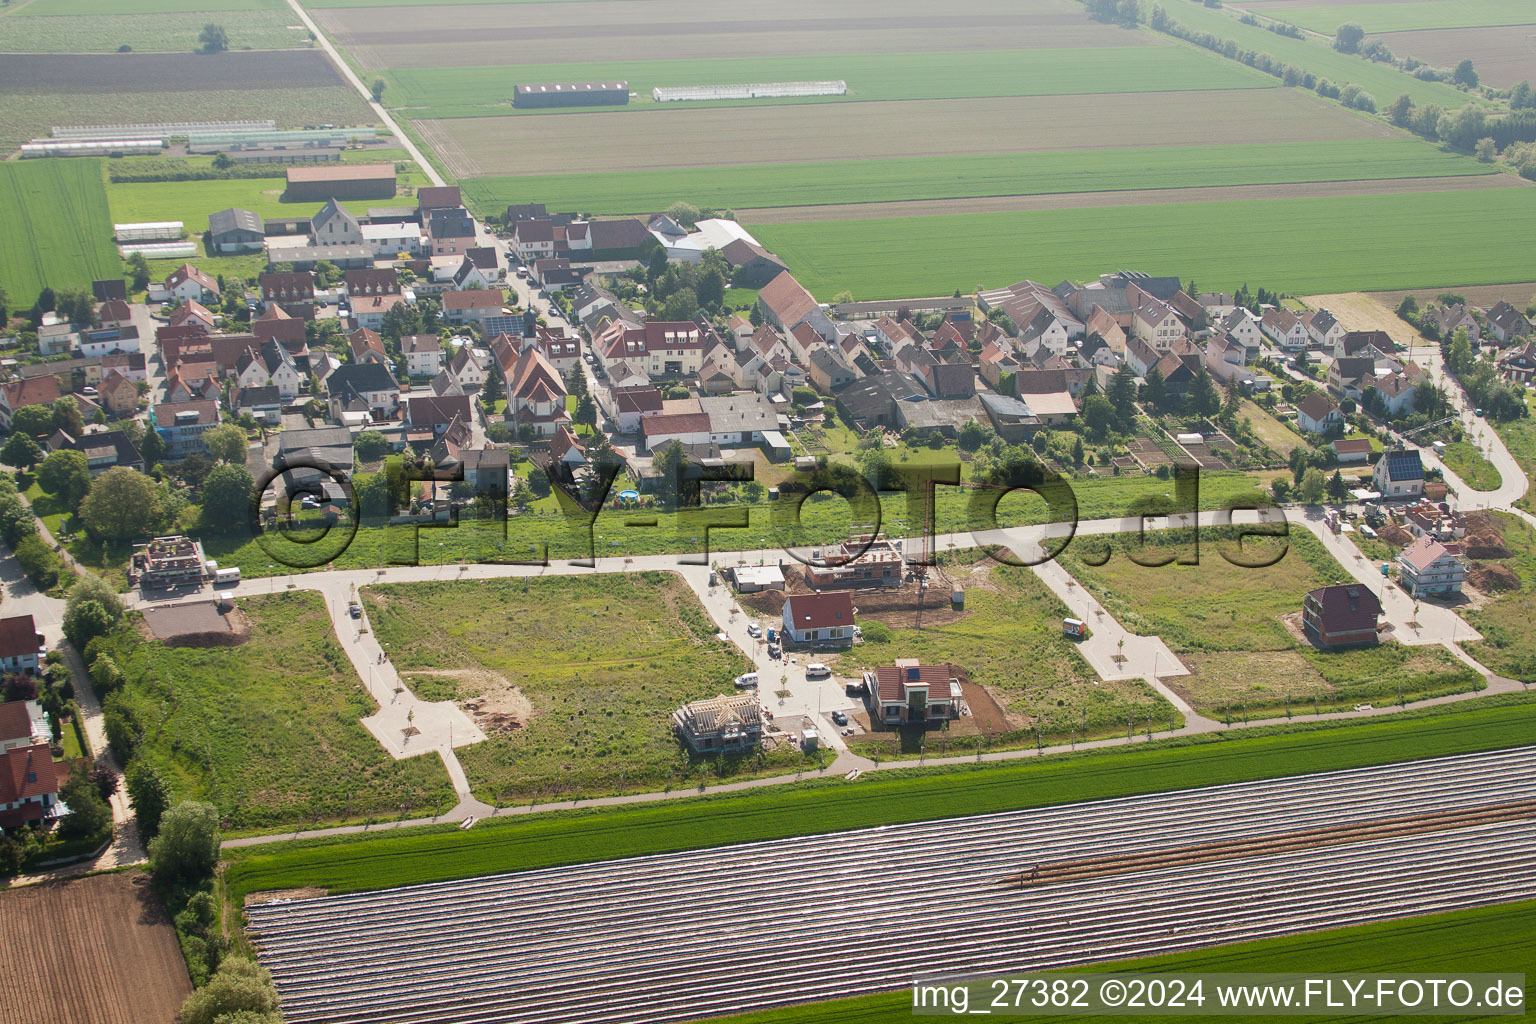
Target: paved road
(366,93)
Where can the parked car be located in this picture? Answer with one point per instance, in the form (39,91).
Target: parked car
(840,718)
(1364,707)
(754,630)
(355,610)
(774,650)
(816,670)
(746,681)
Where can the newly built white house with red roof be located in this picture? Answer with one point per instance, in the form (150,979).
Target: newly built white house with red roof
(819,618)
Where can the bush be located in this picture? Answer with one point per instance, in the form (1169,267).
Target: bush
(239,989)
(149,795)
(39,561)
(91,610)
(187,847)
(877,633)
(89,816)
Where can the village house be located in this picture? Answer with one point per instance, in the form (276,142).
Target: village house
(388,239)
(103,449)
(274,324)
(370,310)
(822,619)
(729,724)
(117,394)
(466,370)
(1315,414)
(291,288)
(1375,344)
(1427,569)
(535,394)
(22,724)
(660,348)
(1342,615)
(1323,328)
(1285,329)
(1352,451)
(1243,327)
(367,347)
(786,305)
(263,404)
(1153,320)
(1506,323)
(472,306)
(423,354)
(18,394)
(908,692)
(187,283)
(1450,319)
(1519,364)
(20,644)
(450,231)
(1397,393)
(114,313)
(1399,474)
(29,787)
(183,424)
(270,365)
(363,387)
(335,225)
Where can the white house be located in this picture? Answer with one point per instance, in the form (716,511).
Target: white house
(820,618)
(390,239)
(1399,474)
(1315,414)
(1323,329)
(19,644)
(423,354)
(1285,329)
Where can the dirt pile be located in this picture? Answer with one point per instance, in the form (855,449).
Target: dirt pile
(1395,535)
(1493,579)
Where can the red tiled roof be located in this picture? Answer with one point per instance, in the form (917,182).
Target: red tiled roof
(891,680)
(27,772)
(820,611)
(790,302)
(15,721)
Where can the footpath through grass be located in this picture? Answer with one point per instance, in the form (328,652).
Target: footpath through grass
(436,853)
(1496,939)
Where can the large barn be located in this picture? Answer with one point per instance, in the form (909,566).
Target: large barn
(571,94)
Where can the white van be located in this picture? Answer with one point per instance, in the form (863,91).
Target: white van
(747,681)
(816,670)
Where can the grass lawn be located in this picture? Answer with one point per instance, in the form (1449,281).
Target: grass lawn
(268,731)
(599,664)
(471,91)
(1008,640)
(439,853)
(53,216)
(525,536)
(192,201)
(1270,430)
(997,174)
(1509,641)
(1373,244)
(1463,459)
(1493,939)
(107,559)
(1224,620)
(1519,436)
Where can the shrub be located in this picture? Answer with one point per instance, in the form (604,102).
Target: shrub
(39,561)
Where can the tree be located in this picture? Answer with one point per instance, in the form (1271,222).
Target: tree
(21,451)
(493,391)
(1312,486)
(40,562)
(123,503)
(152,448)
(33,420)
(1122,396)
(586,411)
(371,446)
(1465,74)
(227,496)
(378,90)
(138,271)
(972,436)
(1408,307)
(186,849)
(1347,38)
(89,814)
(149,795)
(1098,415)
(684,213)
(227,443)
(66,475)
(1155,390)
(91,610)
(1203,398)
(66,416)
(1338,489)
(213,39)
(682,304)
(671,465)
(239,991)
(1400,111)
(1486,149)
(104,779)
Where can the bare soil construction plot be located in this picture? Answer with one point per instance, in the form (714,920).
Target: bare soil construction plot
(1504,55)
(533,33)
(97,950)
(1132,197)
(719,136)
(1518,295)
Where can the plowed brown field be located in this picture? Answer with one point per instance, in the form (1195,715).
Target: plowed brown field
(96,950)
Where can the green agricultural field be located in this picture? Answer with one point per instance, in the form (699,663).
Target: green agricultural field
(1383,81)
(1509,643)
(1001,174)
(1373,243)
(1409,16)
(55,226)
(192,201)
(1464,459)
(1494,939)
(589,669)
(268,731)
(111,29)
(1225,620)
(1009,640)
(430,854)
(469,92)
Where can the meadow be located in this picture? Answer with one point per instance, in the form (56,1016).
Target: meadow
(1464,459)
(1370,243)
(1494,939)
(601,663)
(997,174)
(110,30)
(1509,643)
(95,8)
(471,91)
(53,217)
(428,854)
(1383,81)
(268,731)
(1226,620)
(1409,16)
